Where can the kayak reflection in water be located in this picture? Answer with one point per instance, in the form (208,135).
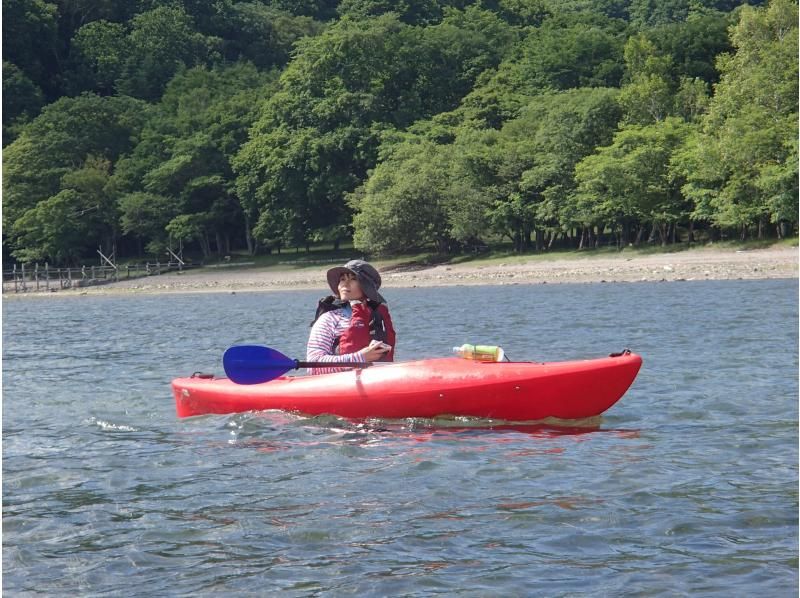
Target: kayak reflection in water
(353,324)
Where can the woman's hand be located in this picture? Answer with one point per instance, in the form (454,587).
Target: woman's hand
(375,351)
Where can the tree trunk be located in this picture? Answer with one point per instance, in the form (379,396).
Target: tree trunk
(639,235)
(220,246)
(691,231)
(248,237)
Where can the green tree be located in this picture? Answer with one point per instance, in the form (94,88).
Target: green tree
(161,42)
(693,44)
(514,182)
(261,34)
(80,217)
(317,137)
(527,167)
(629,183)
(22,100)
(743,170)
(51,230)
(67,138)
(30,41)
(564,53)
(99,51)
(320,10)
(403,204)
(648,95)
(564,127)
(146,216)
(524,13)
(653,13)
(192,227)
(185,155)
(650,13)
(412,12)
(615,9)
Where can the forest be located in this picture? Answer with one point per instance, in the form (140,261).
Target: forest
(420,125)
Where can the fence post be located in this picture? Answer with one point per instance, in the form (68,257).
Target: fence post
(24,288)
(15,278)
(93,277)
(47,276)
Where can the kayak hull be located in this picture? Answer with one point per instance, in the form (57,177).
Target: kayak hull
(510,391)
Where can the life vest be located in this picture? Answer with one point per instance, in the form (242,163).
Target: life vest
(370,321)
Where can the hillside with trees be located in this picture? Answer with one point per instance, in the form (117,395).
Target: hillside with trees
(426,125)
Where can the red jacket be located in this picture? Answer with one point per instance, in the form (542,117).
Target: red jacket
(369,322)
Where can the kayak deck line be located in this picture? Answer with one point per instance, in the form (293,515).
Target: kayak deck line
(454,387)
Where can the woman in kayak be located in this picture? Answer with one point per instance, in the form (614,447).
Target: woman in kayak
(353,324)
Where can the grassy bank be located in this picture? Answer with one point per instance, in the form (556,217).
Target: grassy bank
(319,256)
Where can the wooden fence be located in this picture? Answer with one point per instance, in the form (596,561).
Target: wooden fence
(36,278)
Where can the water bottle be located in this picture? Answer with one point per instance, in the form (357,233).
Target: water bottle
(479,352)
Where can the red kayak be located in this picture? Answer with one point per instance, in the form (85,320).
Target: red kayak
(510,391)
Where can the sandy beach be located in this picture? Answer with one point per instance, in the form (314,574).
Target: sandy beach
(689,265)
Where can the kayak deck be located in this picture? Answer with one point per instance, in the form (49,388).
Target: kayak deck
(511,391)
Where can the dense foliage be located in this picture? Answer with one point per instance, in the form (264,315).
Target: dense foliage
(426,124)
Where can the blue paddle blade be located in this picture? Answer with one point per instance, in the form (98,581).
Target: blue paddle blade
(254,364)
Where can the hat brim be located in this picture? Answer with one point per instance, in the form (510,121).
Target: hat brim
(334,274)
(367,288)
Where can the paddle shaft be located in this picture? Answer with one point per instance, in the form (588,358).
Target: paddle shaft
(330,364)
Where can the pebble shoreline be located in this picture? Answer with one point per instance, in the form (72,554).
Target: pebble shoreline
(700,264)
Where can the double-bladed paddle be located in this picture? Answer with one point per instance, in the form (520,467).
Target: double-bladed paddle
(254,364)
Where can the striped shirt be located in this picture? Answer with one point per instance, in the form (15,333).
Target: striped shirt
(324,333)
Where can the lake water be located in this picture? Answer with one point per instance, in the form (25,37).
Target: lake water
(688,486)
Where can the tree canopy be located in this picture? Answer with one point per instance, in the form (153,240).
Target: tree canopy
(425,124)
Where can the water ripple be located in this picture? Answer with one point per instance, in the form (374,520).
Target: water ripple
(686,487)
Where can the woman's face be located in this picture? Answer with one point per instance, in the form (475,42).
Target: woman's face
(349,288)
